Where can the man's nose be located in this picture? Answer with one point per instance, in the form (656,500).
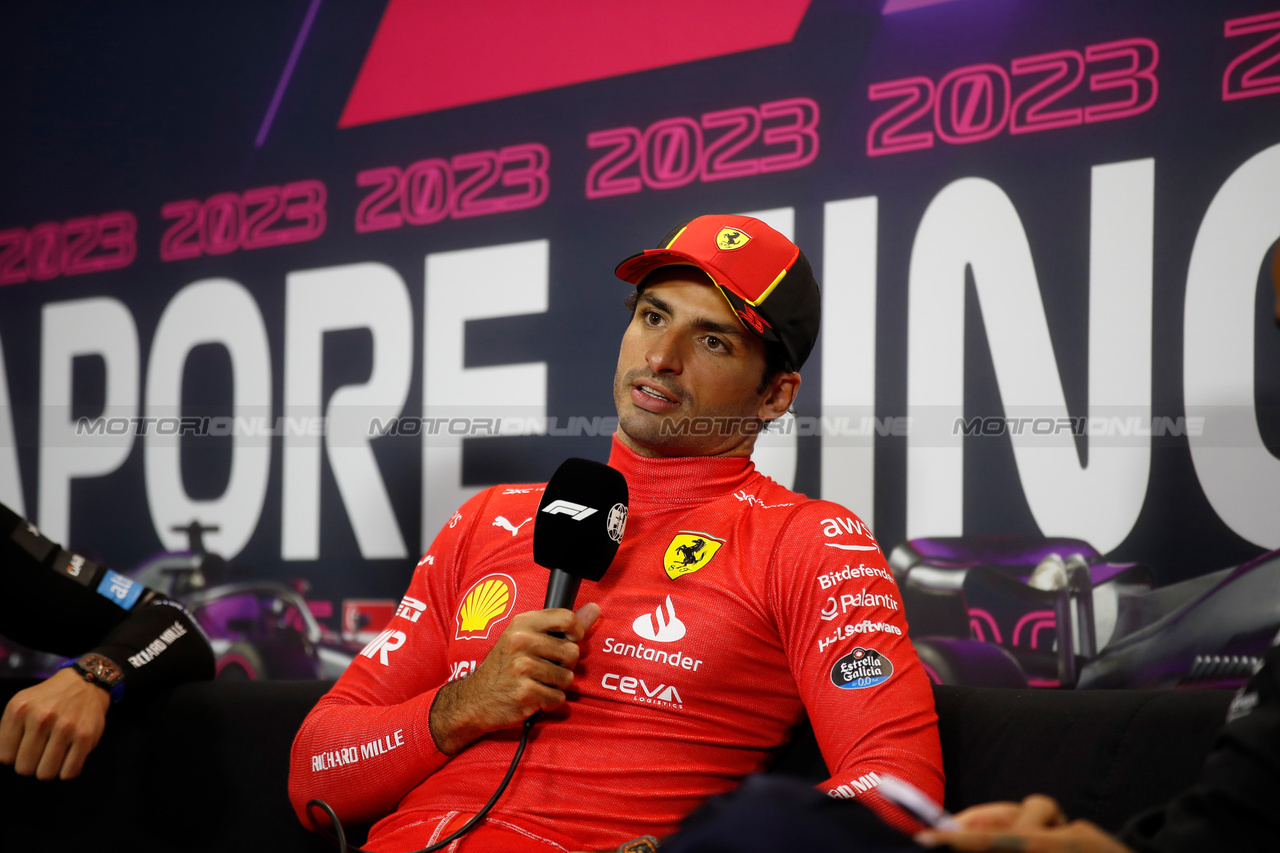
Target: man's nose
(665,356)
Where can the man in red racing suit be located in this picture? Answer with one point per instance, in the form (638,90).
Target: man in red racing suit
(733,607)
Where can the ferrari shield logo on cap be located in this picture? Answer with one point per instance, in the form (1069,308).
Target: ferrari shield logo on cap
(489,601)
(688,552)
(731,238)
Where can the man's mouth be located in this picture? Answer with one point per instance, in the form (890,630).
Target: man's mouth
(654,394)
(651,399)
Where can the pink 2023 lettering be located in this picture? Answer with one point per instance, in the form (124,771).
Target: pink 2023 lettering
(978,102)
(255,219)
(474,184)
(674,152)
(83,245)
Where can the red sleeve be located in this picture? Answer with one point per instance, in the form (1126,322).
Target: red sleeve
(368,742)
(841,621)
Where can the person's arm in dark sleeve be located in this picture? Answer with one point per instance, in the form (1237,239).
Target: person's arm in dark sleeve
(138,641)
(54,600)
(1234,804)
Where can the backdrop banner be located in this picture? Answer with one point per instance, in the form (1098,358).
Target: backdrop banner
(311,273)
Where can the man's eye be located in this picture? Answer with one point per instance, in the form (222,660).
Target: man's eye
(653,318)
(715,343)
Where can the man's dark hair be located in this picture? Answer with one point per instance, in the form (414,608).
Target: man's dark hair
(775,356)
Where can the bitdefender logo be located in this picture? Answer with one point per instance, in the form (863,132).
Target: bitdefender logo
(660,627)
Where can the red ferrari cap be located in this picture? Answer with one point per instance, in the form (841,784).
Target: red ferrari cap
(765,277)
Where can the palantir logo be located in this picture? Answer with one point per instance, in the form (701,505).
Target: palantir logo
(666,629)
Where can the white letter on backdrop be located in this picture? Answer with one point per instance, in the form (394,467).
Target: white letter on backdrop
(212,311)
(973,223)
(102,327)
(471,284)
(849,354)
(356,296)
(10,480)
(1239,475)
(775,450)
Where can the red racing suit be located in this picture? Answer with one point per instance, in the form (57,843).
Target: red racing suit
(733,607)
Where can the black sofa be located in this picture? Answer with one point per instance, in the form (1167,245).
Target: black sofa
(203,768)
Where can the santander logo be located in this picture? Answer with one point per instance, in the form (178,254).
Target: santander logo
(660,627)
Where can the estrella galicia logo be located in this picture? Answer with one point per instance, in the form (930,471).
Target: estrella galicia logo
(861,668)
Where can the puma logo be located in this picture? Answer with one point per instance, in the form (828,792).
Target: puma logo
(502,522)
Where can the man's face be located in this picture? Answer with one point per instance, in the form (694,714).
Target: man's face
(685,360)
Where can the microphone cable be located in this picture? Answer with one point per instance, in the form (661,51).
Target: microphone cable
(338,838)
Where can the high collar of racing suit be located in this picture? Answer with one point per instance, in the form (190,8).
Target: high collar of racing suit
(679,479)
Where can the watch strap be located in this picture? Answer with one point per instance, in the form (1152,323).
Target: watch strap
(102,671)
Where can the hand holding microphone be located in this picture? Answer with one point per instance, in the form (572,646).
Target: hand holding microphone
(576,533)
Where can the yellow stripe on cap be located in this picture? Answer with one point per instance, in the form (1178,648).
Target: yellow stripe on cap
(767,291)
(677,237)
(723,291)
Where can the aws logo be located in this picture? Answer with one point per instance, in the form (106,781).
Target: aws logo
(688,552)
(488,602)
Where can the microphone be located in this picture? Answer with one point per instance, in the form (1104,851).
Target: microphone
(578,527)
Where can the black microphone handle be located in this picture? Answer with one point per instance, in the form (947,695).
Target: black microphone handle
(562,590)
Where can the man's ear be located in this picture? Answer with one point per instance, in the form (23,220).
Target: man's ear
(779,396)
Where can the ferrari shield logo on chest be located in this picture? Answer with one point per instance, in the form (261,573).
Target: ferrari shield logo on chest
(688,552)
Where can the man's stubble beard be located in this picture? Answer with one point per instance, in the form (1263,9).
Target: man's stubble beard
(661,432)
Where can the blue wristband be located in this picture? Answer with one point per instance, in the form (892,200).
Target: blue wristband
(116,691)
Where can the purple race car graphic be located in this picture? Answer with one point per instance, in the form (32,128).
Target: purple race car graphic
(1013,611)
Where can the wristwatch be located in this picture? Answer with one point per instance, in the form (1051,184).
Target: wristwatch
(103,672)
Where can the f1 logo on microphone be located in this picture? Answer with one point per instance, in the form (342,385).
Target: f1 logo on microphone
(578,511)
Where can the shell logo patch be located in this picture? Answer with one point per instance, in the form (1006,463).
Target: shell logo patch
(688,552)
(731,238)
(488,602)
(861,668)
